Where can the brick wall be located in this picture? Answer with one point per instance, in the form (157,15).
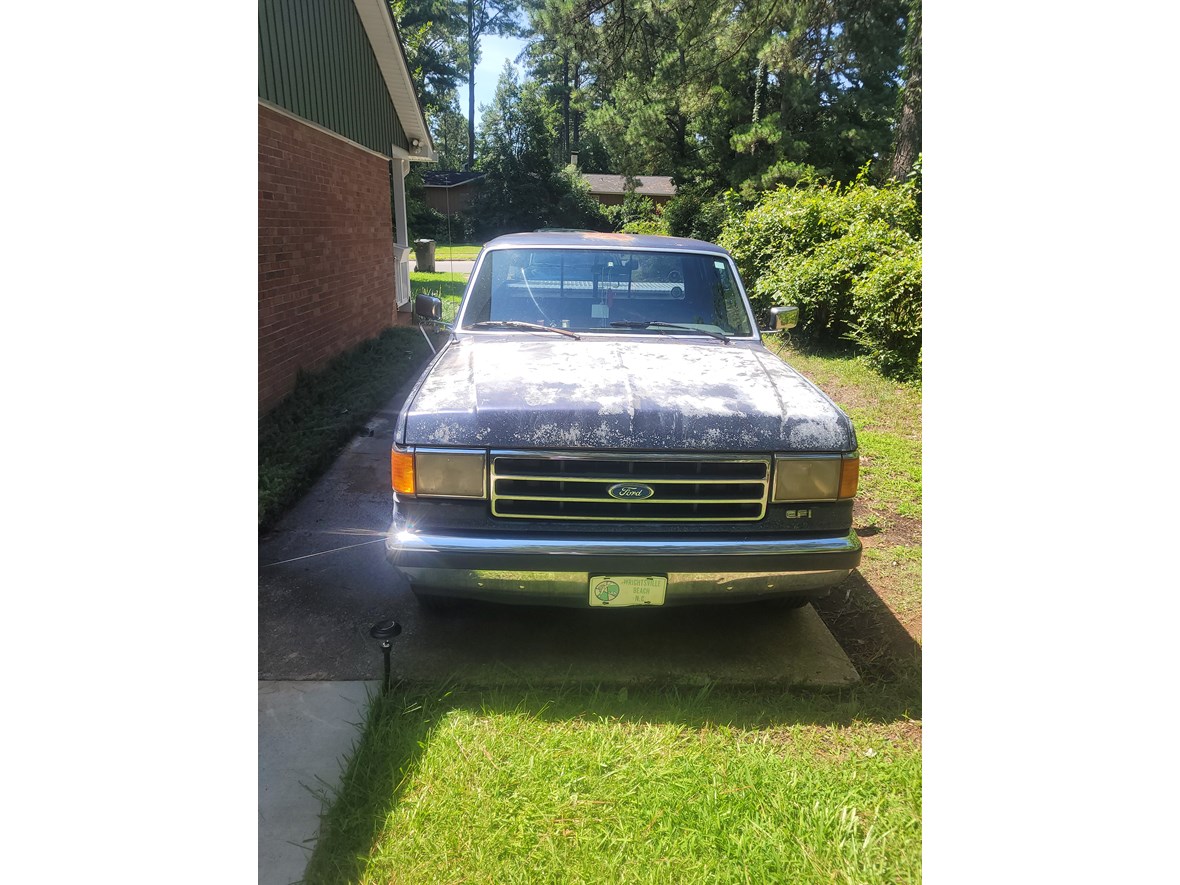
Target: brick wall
(325,250)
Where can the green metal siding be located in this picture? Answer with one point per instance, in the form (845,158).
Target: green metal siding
(315,61)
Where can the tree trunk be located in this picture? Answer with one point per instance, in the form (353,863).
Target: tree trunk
(470,85)
(576,135)
(909,129)
(565,108)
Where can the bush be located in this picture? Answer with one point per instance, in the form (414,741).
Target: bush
(849,257)
(636,215)
(576,208)
(887,301)
(821,281)
(699,213)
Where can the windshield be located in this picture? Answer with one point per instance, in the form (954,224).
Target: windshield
(586,290)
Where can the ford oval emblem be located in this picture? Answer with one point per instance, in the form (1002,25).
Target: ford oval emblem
(630,491)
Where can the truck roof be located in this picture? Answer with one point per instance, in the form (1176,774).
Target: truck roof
(586,239)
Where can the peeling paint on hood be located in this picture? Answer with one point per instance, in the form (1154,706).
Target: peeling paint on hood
(620,392)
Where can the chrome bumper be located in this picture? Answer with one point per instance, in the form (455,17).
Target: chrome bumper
(557,570)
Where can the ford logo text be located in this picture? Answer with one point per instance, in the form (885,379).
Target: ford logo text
(630,491)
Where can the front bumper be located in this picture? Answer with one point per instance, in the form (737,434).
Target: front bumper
(556,570)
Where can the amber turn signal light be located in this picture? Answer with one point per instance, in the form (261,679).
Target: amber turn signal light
(849,476)
(402,470)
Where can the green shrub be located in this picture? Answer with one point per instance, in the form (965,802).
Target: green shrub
(575,206)
(636,215)
(888,305)
(848,256)
(699,213)
(821,281)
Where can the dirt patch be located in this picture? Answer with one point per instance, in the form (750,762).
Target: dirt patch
(901,530)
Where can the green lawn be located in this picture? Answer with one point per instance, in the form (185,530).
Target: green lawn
(582,785)
(447,286)
(463,252)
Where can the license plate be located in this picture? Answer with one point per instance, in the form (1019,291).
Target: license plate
(623,590)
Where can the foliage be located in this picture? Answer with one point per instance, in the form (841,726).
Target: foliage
(908,143)
(483,18)
(636,215)
(848,256)
(749,96)
(448,130)
(575,206)
(744,97)
(433,33)
(524,189)
(887,306)
(697,211)
(423,221)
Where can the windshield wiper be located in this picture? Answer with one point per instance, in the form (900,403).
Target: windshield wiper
(645,324)
(517,324)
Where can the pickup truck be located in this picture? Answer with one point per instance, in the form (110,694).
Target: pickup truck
(603,427)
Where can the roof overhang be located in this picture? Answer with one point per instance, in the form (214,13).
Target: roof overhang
(377,19)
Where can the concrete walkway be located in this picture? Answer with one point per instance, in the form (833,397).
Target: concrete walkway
(306,732)
(463,267)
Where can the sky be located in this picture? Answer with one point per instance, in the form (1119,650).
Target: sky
(494,51)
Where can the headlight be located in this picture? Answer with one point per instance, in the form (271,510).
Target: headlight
(443,473)
(815,477)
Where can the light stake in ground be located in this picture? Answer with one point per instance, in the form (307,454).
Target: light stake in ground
(385,631)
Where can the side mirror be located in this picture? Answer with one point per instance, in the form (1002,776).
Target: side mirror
(428,307)
(785,317)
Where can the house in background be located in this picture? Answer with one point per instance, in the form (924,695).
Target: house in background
(450,192)
(338,125)
(611,189)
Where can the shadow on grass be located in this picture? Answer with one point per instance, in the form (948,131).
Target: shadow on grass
(401,724)
(880,648)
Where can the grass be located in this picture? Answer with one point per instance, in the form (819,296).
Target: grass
(447,286)
(582,785)
(301,437)
(585,786)
(458,252)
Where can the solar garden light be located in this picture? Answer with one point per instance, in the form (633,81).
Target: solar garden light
(385,631)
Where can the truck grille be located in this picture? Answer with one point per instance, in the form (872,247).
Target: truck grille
(637,488)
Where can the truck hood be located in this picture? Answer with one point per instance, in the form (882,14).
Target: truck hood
(636,392)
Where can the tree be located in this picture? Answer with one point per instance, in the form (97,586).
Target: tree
(434,34)
(448,129)
(484,17)
(556,56)
(524,188)
(746,95)
(909,129)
